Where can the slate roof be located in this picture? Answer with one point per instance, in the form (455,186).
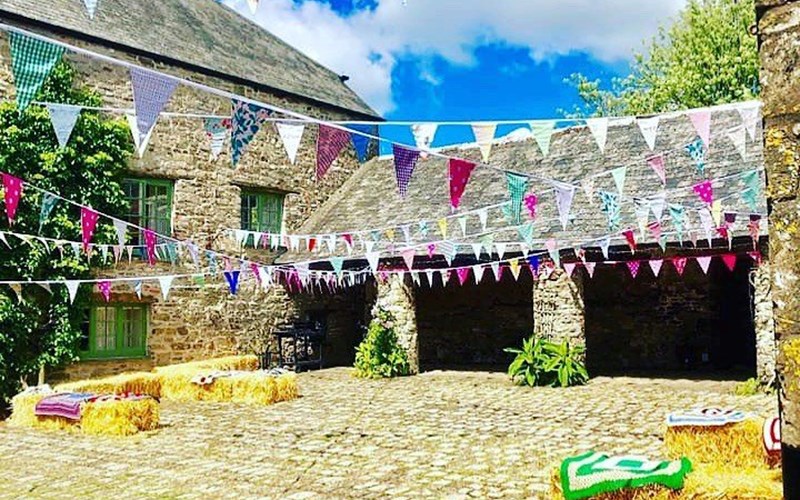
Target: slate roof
(369,199)
(200,33)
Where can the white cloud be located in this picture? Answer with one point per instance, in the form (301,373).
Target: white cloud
(365,45)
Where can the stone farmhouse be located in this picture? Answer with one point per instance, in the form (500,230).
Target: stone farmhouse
(716,320)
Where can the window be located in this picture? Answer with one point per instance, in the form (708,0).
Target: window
(150,206)
(115,331)
(262,211)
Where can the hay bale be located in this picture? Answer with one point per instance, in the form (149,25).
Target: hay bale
(256,387)
(120,417)
(178,386)
(140,383)
(705,482)
(229,363)
(738,444)
(23,414)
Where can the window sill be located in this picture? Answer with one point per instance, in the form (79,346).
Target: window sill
(122,357)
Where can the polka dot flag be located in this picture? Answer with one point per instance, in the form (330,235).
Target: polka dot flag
(104,287)
(460,172)
(12,189)
(705,191)
(88,223)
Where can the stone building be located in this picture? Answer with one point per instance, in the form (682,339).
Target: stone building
(707,321)
(176,188)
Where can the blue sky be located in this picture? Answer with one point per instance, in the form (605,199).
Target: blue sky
(466,59)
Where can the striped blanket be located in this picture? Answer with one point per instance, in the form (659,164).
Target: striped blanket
(593,473)
(705,417)
(66,405)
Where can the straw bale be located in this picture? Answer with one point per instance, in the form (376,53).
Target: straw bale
(230,363)
(23,414)
(244,387)
(140,383)
(120,418)
(738,444)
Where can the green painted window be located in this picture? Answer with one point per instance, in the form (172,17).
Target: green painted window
(115,331)
(262,211)
(150,206)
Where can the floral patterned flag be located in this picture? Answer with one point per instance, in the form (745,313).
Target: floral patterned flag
(680,264)
(12,191)
(150,246)
(31,62)
(217,130)
(609,204)
(705,191)
(330,142)
(151,92)
(404,162)
(697,152)
(104,287)
(530,203)
(48,203)
(88,223)
(463,275)
(460,172)
(246,121)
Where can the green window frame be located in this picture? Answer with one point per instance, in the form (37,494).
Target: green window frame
(262,211)
(150,206)
(117,330)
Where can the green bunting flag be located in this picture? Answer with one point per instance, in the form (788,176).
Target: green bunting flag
(31,62)
(753,184)
(517,185)
(677,213)
(609,204)
(542,132)
(48,202)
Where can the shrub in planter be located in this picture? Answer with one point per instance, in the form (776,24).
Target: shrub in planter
(380,355)
(541,362)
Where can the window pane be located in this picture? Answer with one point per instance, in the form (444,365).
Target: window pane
(149,206)
(105,329)
(133,327)
(83,344)
(262,212)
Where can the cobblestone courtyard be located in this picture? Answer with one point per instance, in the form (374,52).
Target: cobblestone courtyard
(440,434)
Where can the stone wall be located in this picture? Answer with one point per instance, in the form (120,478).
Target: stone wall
(471,324)
(196,323)
(397,295)
(558,310)
(766,350)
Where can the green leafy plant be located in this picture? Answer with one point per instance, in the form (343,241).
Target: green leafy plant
(541,362)
(44,329)
(380,355)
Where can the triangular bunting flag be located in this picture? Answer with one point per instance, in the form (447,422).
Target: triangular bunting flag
(513,264)
(217,130)
(738,137)
(483,216)
(655,266)
(501,250)
(88,223)
(442,223)
(151,92)
(330,143)
(12,191)
(633,267)
(658,165)
(619,178)
(91,7)
(569,267)
(139,143)
(697,152)
(360,140)
(705,191)
(552,249)
(408,256)
(604,244)
(121,227)
(542,132)
(460,172)
(749,115)
(530,203)
(104,287)
(63,117)
(588,187)
(630,239)
(497,271)
(462,223)
(337,263)
(463,275)
(231,277)
(72,289)
(657,205)
(730,261)
(704,262)
(476,249)
(599,129)
(404,162)
(253,4)
(423,134)
(48,202)
(477,273)
(564,195)
(246,121)
(150,246)
(589,268)
(373,258)
(291,135)
(484,135)
(649,129)
(702,124)
(680,264)
(137,289)
(31,62)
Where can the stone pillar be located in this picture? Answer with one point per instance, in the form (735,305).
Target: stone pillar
(766,351)
(396,295)
(779,51)
(558,311)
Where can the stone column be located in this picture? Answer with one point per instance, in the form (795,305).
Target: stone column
(763,319)
(558,311)
(396,295)
(779,52)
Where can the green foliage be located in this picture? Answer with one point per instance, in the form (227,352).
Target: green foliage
(541,362)
(380,355)
(706,57)
(752,387)
(43,330)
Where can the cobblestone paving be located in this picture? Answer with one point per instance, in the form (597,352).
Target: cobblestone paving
(440,434)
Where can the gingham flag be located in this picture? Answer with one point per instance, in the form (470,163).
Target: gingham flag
(330,142)
(31,61)
(404,162)
(151,92)
(63,117)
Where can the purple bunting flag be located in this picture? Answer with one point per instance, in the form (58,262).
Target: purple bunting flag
(404,162)
(151,92)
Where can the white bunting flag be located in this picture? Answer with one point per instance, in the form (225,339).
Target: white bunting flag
(552,249)
(166,285)
(477,273)
(749,114)
(484,136)
(330,242)
(138,141)
(63,117)
(429,275)
(91,7)
(240,235)
(423,134)
(542,132)
(589,268)
(704,263)
(368,245)
(476,249)
(604,244)
(738,136)
(291,134)
(483,216)
(406,232)
(619,179)
(373,258)
(588,188)
(599,129)
(253,4)
(501,250)
(564,195)
(121,228)
(658,204)
(642,211)
(655,266)
(72,289)
(415,278)
(649,128)
(707,222)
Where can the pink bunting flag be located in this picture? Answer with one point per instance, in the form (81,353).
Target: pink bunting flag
(408,257)
(705,191)
(655,266)
(658,166)
(704,262)
(405,160)
(330,142)
(348,239)
(730,261)
(88,223)
(530,203)
(463,275)
(431,250)
(104,287)
(633,267)
(150,245)
(569,267)
(702,124)
(460,172)
(655,229)
(680,264)
(754,229)
(589,268)
(630,238)
(12,189)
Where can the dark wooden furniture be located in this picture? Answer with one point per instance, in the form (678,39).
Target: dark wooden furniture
(300,345)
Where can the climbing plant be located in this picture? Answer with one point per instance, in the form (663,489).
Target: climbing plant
(380,355)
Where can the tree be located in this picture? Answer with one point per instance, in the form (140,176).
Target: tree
(706,57)
(41,328)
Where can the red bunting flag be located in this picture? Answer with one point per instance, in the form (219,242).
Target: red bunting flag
(312,244)
(150,244)
(705,191)
(680,264)
(104,287)
(633,267)
(460,172)
(730,261)
(630,238)
(348,239)
(330,142)
(88,223)
(463,274)
(12,189)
